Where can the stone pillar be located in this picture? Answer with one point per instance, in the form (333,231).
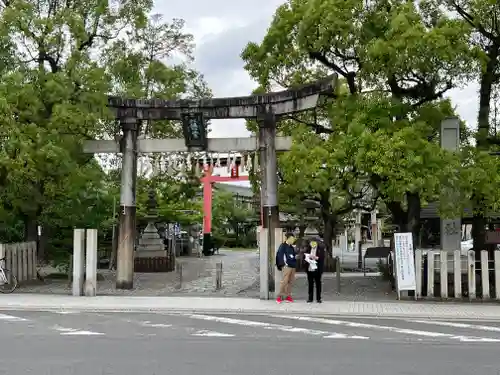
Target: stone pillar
(357,238)
(78,262)
(127,228)
(343,244)
(451,229)
(269,190)
(379,233)
(91,263)
(374,229)
(263,264)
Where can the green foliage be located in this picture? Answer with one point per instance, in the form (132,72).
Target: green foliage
(175,199)
(380,135)
(59,61)
(233,224)
(53,96)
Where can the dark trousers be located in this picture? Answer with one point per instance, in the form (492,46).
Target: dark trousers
(313,278)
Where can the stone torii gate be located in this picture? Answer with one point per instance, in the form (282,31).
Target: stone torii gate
(265,108)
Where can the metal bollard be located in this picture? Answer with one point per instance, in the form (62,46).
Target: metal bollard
(337,273)
(178,268)
(218,276)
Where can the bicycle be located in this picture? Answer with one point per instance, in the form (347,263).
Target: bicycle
(8,282)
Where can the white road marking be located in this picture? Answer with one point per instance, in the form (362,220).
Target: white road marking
(76,332)
(82,333)
(276,327)
(206,333)
(155,325)
(66,312)
(388,328)
(10,318)
(456,325)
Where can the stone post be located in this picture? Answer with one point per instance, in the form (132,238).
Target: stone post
(127,229)
(91,263)
(451,229)
(78,262)
(374,229)
(357,238)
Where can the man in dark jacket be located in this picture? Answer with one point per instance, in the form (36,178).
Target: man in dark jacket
(314,260)
(286,262)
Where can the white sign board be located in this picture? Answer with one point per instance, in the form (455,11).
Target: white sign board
(405,262)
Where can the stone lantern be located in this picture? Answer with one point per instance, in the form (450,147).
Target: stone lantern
(151,244)
(311,216)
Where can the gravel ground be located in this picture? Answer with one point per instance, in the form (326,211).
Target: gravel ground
(198,278)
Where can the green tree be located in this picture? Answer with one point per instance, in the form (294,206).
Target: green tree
(482,17)
(232,220)
(176,200)
(54,96)
(139,67)
(382,128)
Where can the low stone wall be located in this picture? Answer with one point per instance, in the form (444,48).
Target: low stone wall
(154,264)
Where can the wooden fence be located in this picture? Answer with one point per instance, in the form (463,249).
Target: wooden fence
(20,259)
(457,274)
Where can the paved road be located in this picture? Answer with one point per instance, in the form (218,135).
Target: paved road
(141,343)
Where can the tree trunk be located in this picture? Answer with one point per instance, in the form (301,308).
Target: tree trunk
(399,216)
(329,221)
(413,216)
(30,229)
(478,229)
(42,244)
(329,232)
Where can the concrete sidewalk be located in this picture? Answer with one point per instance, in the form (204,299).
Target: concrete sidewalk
(403,309)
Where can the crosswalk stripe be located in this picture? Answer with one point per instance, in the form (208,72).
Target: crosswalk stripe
(277,327)
(456,325)
(390,329)
(155,325)
(76,332)
(10,318)
(206,333)
(82,333)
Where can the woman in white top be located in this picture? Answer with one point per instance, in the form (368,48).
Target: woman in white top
(314,259)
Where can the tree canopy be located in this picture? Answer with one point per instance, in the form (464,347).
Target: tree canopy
(378,138)
(374,143)
(59,62)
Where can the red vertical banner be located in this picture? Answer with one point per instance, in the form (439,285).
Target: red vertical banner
(234,171)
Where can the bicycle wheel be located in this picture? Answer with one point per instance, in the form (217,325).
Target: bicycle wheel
(10,285)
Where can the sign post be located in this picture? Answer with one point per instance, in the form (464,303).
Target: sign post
(405,263)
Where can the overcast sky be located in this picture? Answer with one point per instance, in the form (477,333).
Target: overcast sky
(222,28)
